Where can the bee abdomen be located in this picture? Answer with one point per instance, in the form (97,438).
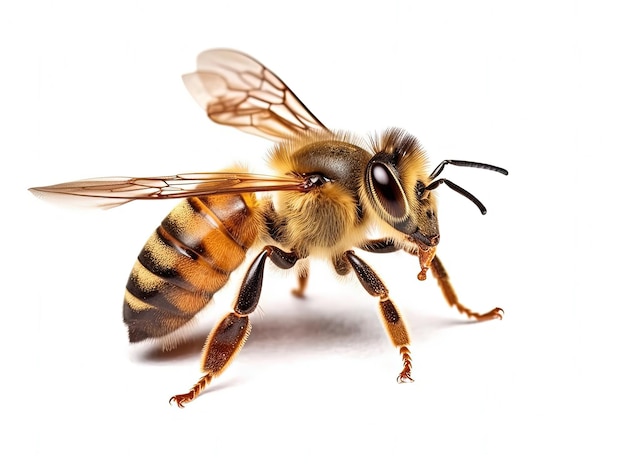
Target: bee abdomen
(186,261)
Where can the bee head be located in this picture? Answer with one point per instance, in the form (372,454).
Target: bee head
(400,191)
(396,185)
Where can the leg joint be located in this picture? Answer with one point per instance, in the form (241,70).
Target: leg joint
(368,278)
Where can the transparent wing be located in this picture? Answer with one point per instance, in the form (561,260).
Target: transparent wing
(114,191)
(236,90)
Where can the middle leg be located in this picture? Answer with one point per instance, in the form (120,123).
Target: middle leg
(391,317)
(303,279)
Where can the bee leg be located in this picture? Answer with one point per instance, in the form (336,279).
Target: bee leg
(303,279)
(379,246)
(223,343)
(391,317)
(448,292)
(230,334)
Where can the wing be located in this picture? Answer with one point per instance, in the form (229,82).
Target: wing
(114,191)
(236,90)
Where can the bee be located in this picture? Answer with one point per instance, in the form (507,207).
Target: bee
(330,191)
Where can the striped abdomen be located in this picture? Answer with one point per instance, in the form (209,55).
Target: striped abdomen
(186,261)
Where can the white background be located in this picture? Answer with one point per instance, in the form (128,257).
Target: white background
(536,87)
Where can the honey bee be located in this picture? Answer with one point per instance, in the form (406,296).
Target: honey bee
(330,191)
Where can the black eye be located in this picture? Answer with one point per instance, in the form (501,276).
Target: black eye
(314,180)
(388,191)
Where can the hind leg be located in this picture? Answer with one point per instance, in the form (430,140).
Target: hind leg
(229,335)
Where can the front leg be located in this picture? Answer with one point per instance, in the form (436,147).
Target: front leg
(229,335)
(379,246)
(448,292)
(391,317)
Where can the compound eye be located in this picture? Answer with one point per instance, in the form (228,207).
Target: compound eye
(388,191)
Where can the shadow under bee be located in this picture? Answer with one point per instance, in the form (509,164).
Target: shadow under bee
(299,332)
(301,328)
